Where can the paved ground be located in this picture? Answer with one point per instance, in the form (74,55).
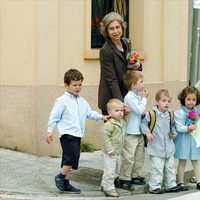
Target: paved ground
(25,176)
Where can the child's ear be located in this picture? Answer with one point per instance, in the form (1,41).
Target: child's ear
(65,85)
(133,85)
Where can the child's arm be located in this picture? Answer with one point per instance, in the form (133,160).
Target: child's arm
(192,127)
(94,115)
(145,93)
(55,117)
(105,117)
(180,122)
(137,108)
(173,133)
(126,109)
(106,133)
(150,136)
(49,138)
(145,129)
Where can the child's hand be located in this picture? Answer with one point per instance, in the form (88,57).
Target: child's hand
(150,137)
(113,153)
(126,109)
(106,117)
(145,93)
(49,138)
(192,127)
(172,135)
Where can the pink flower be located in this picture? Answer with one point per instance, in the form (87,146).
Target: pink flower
(191,114)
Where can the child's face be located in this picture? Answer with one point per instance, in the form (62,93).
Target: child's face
(74,87)
(139,86)
(190,100)
(163,103)
(116,111)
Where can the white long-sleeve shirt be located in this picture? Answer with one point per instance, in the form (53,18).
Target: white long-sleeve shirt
(137,106)
(69,114)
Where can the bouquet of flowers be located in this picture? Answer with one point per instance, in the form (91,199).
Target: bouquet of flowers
(133,59)
(192,117)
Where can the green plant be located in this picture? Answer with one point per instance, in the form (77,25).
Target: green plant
(87,147)
(12,148)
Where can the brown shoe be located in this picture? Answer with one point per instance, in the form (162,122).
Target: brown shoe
(111,193)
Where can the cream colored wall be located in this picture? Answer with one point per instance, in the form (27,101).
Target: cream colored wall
(41,39)
(50,38)
(160,28)
(18,42)
(61,32)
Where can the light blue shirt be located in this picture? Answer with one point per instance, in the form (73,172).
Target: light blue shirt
(137,106)
(163,145)
(69,114)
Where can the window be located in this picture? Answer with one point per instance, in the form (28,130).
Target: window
(99,9)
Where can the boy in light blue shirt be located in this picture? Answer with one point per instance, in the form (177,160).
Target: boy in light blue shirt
(160,147)
(133,151)
(69,114)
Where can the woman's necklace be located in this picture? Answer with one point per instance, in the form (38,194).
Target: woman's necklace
(119,46)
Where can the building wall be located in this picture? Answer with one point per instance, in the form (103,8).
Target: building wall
(40,40)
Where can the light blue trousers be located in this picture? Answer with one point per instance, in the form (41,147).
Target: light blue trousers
(162,172)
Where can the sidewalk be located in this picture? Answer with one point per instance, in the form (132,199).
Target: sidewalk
(25,176)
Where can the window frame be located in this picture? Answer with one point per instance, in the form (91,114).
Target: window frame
(93,53)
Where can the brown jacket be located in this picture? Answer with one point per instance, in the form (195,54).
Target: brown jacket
(113,66)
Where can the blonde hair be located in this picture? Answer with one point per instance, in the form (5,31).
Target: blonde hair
(131,77)
(113,102)
(162,92)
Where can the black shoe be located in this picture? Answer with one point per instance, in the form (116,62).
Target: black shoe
(60,183)
(126,185)
(198,186)
(138,180)
(182,186)
(71,189)
(117,182)
(156,191)
(174,189)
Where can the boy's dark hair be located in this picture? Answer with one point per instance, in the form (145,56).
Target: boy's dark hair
(72,75)
(186,91)
(131,77)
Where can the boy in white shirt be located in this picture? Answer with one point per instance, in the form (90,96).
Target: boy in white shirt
(133,151)
(69,114)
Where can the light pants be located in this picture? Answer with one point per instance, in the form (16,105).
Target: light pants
(110,166)
(162,172)
(132,157)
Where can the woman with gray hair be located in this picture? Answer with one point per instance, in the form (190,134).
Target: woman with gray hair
(113,60)
(114,65)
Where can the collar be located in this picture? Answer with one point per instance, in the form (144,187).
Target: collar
(134,94)
(116,122)
(187,110)
(161,113)
(117,51)
(70,95)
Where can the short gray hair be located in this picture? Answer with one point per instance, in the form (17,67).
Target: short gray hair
(110,17)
